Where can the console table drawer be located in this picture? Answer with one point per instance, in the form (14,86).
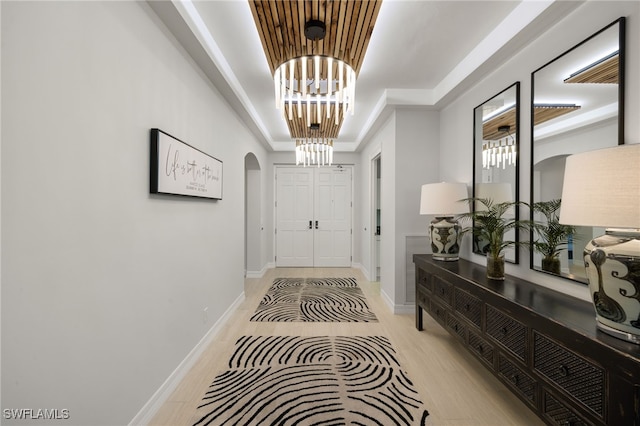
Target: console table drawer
(438,312)
(481,347)
(456,327)
(422,297)
(469,306)
(423,278)
(443,290)
(557,413)
(516,377)
(506,330)
(579,377)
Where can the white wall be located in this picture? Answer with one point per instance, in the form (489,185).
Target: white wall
(408,145)
(254,233)
(583,139)
(104,285)
(417,160)
(457,118)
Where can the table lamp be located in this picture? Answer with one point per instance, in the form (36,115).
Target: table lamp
(444,200)
(496,192)
(602,188)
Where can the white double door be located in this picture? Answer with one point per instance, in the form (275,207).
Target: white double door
(313,216)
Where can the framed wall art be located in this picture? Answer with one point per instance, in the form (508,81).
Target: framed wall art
(177,168)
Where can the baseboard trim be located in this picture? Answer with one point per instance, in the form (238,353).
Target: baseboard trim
(397,309)
(362,269)
(387,300)
(257,274)
(404,309)
(150,409)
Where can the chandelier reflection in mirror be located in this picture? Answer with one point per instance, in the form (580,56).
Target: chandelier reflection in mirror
(326,82)
(501,152)
(314,149)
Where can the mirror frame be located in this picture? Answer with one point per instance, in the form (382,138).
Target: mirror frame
(516,184)
(621,85)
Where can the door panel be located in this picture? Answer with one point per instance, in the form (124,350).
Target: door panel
(294,210)
(332,239)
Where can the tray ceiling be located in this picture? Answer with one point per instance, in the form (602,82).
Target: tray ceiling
(420,54)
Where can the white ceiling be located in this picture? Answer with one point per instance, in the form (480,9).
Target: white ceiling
(421,54)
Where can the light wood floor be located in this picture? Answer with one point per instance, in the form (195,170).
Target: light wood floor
(454,387)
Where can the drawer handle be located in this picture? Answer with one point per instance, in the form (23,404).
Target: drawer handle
(455,327)
(481,349)
(564,371)
(505,331)
(467,307)
(442,290)
(515,379)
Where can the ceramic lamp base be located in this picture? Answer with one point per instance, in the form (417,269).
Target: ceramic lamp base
(633,338)
(612,262)
(445,234)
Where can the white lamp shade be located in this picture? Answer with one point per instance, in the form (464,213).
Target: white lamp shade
(496,192)
(444,199)
(602,188)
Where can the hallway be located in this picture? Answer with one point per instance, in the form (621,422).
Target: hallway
(454,387)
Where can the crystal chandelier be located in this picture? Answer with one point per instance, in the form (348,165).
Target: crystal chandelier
(325,82)
(314,149)
(499,153)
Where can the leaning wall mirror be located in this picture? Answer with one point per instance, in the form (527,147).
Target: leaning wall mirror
(495,159)
(576,106)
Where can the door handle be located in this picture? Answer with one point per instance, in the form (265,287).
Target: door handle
(316,224)
(310,224)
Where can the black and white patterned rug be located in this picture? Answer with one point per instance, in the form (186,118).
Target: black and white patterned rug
(294,380)
(314,300)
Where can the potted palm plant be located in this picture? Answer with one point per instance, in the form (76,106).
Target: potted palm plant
(551,237)
(490,222)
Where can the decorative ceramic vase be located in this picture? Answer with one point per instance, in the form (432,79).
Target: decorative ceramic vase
(613,267)
(495,267)
(445,235)
(551,264)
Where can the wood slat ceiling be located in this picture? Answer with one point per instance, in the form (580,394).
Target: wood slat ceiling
(605,72)
(349,24)
(542,113)
(490,127)
(328,127)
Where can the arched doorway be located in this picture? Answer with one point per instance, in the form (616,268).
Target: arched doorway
(253,263)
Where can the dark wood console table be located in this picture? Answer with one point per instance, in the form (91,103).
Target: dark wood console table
(542,344)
